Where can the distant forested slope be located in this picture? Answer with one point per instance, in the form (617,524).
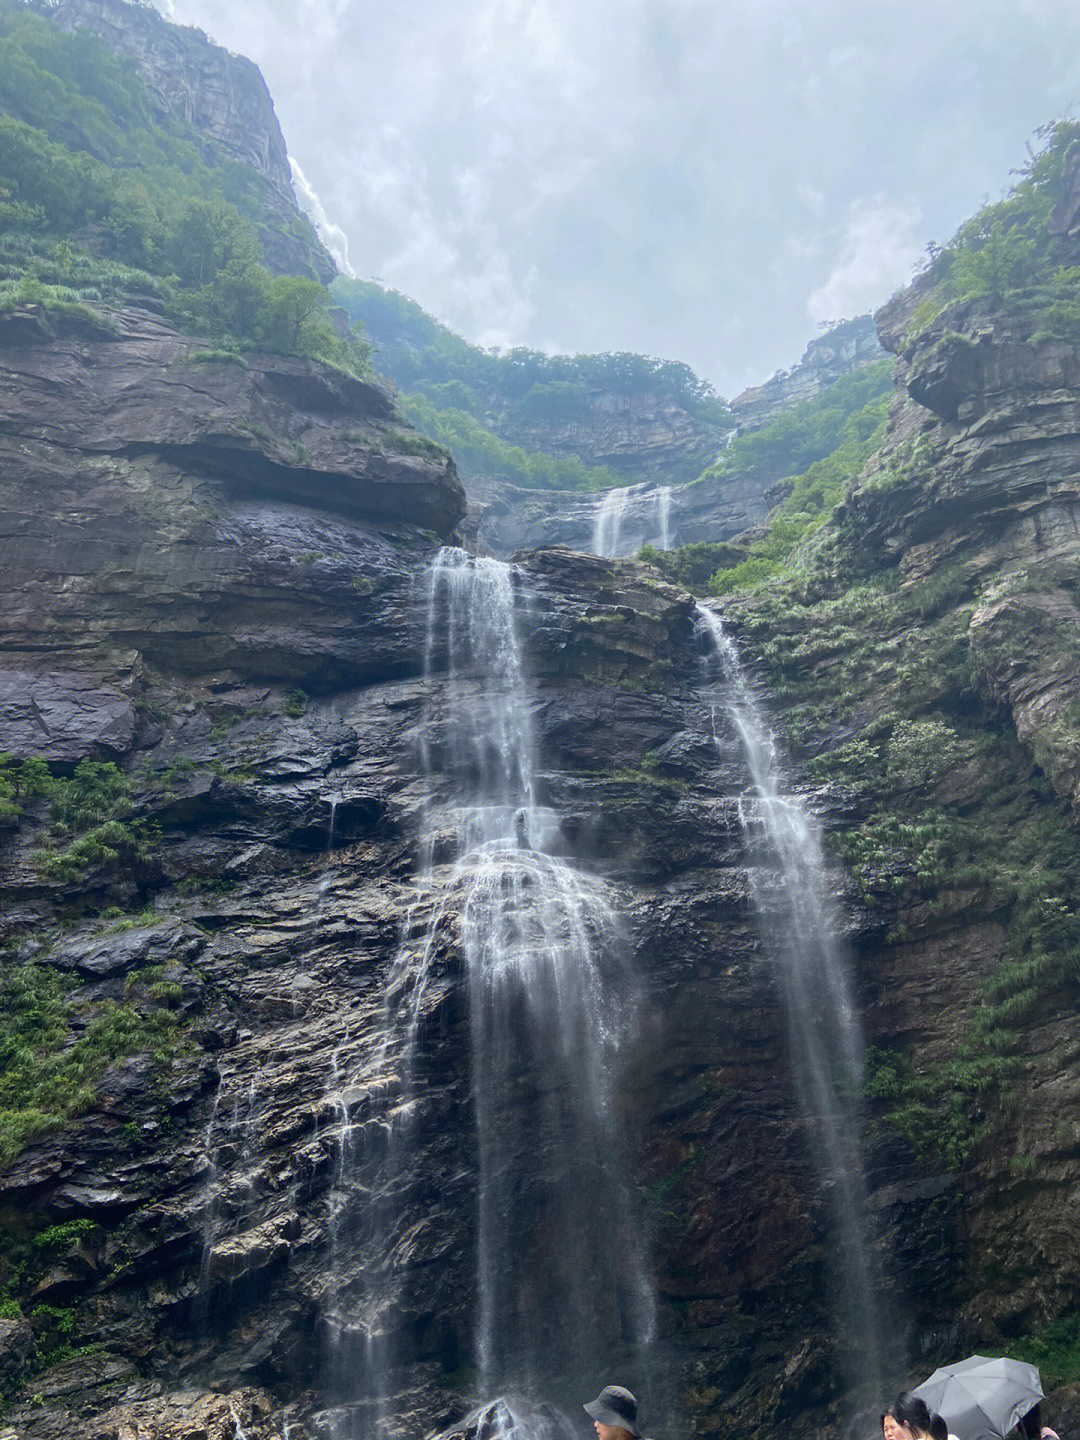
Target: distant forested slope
(557,421)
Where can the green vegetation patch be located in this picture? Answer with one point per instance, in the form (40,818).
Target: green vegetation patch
(479,451)
(820,446)
(1055,1349)
(92,827)
(102,198)
(1006,251)
(847,410)
(464,397)
(54,1049)
(21,782)
(425,356)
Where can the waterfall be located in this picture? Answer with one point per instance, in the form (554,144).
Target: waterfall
(607,527)
(792,894)
(561,1278)
(663,506)
(630,516)
(537,935)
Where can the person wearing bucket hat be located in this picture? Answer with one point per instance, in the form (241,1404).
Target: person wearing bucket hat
(614,1410)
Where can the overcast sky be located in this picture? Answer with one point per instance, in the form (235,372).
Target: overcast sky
(704,180)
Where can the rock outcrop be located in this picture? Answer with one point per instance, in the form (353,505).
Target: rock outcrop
(837,352)
(183,491)
(982,469)
(644,435)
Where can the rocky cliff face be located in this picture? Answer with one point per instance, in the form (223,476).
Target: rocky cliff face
(254,473)
(644,436)
(223,97)
(838,352)
(936,688)
(214,581)
(505,518)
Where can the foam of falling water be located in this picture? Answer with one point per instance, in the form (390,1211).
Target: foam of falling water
(607,526)
(238,1429)
(663,505)
(629,516)
(793,899)
(555,1230)
(511,1418)
(561,1278)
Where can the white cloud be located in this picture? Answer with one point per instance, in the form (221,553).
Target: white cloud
(641,175)
(882,240)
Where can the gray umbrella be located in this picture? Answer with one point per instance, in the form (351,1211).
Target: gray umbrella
(982,1399)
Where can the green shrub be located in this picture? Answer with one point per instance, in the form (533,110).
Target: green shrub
(1055,1349)
(21,781)
(1006,253)
(788,546)
(478,450)
(52,1052)
(58,1237)
(93,806)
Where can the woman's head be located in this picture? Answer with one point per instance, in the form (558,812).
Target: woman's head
(908,1418)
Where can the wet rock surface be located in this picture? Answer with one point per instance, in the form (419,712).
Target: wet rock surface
(281,889)
(204,517)
(504,518)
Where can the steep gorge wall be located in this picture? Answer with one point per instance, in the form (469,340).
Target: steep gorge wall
(846,347)
(214,579)
(217,586)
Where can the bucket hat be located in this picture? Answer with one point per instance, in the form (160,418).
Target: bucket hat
(615,1406)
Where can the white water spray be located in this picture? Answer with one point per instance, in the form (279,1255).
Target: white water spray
(629,516)
(793,896)
(561,1276)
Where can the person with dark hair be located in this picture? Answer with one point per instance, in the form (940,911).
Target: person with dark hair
(938,1429)
(910,1418)
(1031,1425)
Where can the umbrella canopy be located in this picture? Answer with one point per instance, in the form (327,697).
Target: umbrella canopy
(980,1398)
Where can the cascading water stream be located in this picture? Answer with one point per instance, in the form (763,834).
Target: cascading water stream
(793,897)
(663,503)
(537,937)
(607,527)
(560,1276)
(630,516)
